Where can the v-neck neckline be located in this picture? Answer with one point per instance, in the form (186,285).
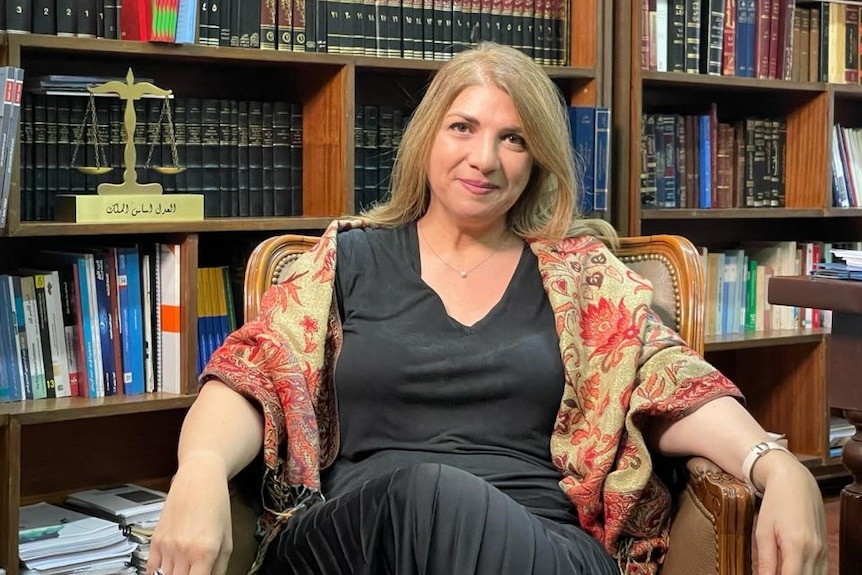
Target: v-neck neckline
(416,265)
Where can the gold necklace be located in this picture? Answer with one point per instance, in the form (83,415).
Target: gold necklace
(462,273)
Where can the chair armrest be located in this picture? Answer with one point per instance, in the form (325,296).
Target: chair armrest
(711,530)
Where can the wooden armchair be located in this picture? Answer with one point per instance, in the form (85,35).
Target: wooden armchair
(712,525)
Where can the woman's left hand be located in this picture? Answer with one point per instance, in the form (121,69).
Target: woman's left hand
(790,532)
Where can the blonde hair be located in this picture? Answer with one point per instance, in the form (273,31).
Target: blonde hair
(548,208)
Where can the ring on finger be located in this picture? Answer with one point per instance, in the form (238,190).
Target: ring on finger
(158,571)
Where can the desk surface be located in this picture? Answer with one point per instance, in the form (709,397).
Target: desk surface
(837,295)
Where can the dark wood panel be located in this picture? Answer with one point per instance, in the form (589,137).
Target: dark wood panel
(77,454)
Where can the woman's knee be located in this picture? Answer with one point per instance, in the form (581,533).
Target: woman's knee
(434,482)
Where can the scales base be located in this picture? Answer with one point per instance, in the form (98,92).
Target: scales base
(138,208)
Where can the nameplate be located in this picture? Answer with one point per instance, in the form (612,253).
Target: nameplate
(116,209)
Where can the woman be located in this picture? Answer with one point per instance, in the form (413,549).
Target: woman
(499,377)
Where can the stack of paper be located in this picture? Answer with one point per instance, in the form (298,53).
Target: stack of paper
(853,258)
(126,504)
(54,540)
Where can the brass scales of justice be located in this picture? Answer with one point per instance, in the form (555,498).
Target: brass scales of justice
(128,201)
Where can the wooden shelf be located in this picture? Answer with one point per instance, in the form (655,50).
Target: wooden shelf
(74,408)
(725,83)
(33,229)
(739,213)
(749,340)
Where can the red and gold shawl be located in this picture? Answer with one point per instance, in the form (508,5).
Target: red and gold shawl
(622,366)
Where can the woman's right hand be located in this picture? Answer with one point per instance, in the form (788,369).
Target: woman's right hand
(193,536)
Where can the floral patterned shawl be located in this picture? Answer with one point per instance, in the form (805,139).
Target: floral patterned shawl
(622,366)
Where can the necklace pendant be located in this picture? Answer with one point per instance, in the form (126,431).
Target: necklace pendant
(462,273)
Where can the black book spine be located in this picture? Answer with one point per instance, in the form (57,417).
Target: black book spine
(507,23)
(458,16)
(45,335)
(427,30)
(203,22)
(40,156)
(210,157)
(52,129)
(267,159)
(112,19)
(395,48)
(358,161)
(215,21)
(676,36)
(385,151)
(296,160)
(334,32)
(67,21)
(153,149)
(281,158)
(224,158)
(370,152)
(234,159)
(100,18)
(181,179)
(242,159)
(255,158)
(194,147)
(44,17)
(19,16)
(712,37)
(77,180)
(88,16)
(27,159)
(225,21)
(249,24)
(528,29)
(693,11)
(64,144)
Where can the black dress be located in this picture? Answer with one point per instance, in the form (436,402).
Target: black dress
(444,465)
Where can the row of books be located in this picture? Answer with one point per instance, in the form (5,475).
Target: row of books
(94,531)
(780,39)
(245,157)
(92,322)
(695,161)
(590,129)
(11,82)
(377,134)
(737,280)
(396,28)
(216,313)
(84,18)
(846,162)
(744,38)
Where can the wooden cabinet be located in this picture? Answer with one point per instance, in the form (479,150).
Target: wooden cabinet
(781,372)
(49,448)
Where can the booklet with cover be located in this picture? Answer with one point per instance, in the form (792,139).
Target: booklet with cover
(125,504)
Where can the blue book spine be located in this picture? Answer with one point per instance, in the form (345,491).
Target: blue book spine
(9,355)
(21,328)
(187,13)
(582,125)
(94,380)
(104,326)
(134,333)
(705,147)
(602,158)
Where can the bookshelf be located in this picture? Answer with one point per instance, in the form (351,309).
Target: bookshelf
(49,448)
(782,372)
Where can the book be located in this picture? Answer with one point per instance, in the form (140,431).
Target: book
(125,504)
